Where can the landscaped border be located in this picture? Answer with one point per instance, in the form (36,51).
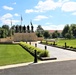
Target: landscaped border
(32,53)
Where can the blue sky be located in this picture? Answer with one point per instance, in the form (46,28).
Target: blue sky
(50,14)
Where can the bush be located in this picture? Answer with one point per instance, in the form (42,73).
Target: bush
(43,53)
(40,52)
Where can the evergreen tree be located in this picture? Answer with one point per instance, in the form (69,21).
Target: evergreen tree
(65,30)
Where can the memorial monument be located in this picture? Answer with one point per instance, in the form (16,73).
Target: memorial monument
(25,33)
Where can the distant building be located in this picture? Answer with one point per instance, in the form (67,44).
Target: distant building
(52,31)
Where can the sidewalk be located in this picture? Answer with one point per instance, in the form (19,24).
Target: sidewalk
(60,54)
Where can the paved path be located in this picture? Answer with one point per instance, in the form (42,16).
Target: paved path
(60,54)
(51,68)
(48,68)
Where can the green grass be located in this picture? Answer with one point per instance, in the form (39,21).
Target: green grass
(13,54)
(71,42)
(61,42)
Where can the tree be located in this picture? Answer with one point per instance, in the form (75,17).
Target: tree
(17,29)
(5,27)
(46,34)
(2,33)
(39,31)
(10,33)
(13,27)
(73,29)
(39,34)
(56,34)
(69,34)
(65,30)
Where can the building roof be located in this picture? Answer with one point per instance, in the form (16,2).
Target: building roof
(51,31)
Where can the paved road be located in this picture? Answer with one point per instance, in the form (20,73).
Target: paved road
(60,54)
(51,68)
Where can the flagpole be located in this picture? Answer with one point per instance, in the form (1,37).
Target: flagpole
(11,23)
(21,20)
(11,28)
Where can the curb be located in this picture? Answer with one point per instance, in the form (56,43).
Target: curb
(31,63)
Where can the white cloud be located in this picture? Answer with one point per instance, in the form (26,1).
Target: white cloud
(15,21)
(6,19)
(16,14)
(50,27)
(47,5)
(69,6)
(40,17)
(63,1)
(7,8)
(53,27)
(43,6)
(74,13)
(6,16)
(30,10)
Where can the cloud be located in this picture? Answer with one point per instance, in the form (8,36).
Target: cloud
(53,27)
(30,11)
(16,14)
(50,27)
(6,19)
(69,6)
(46,5)
(15,21)
(40,17)
(74,13)
(7,8)
(6,16)
(63,1)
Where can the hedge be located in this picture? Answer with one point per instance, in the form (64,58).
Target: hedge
(31,49)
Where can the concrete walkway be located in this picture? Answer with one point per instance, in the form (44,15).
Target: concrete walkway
(60,54)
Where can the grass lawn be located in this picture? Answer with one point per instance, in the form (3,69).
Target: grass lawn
(61,42)
(13,54)
(71,42)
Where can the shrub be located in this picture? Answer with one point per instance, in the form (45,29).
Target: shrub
(43,53)
(40,52)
